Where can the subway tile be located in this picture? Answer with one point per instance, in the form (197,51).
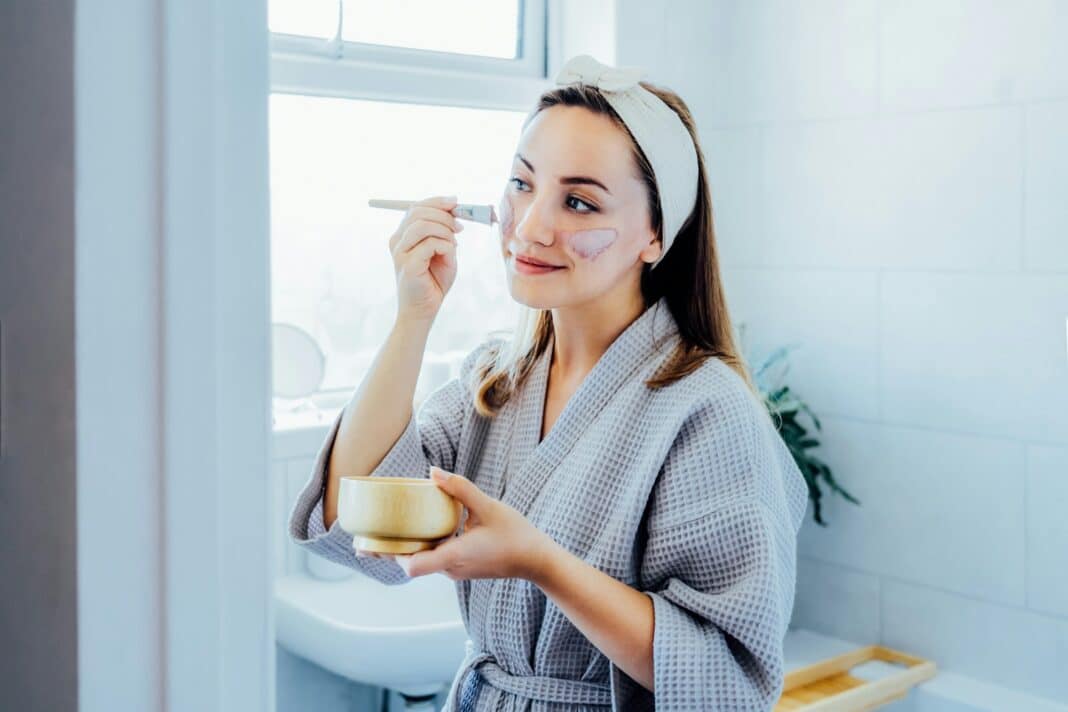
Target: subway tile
(941,53)
(1046,187)
(835,601)
(1008,646)
(784,60)
(930,191)
(979,353)
(649,21)
(937,509)
(1047,529)
(686,57)
(830,316)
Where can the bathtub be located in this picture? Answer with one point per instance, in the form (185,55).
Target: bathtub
(945,692)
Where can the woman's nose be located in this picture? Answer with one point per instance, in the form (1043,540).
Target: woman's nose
(534,223)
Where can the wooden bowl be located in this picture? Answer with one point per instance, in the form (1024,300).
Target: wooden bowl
(396,515)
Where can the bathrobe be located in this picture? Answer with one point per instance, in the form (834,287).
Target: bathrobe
(685,493)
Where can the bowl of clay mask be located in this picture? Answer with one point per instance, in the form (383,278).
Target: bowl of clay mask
(396,515)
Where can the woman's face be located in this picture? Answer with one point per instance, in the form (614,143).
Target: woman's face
(575,200)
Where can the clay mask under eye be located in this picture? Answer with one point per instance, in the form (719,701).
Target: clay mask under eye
(589,244)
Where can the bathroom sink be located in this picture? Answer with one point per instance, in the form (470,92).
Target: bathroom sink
(409,638)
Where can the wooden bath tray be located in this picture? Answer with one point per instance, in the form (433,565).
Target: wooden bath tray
(828,686)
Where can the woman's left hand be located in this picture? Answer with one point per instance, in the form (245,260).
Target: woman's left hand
(498,541)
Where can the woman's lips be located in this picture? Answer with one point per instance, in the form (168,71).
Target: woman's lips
(526,267)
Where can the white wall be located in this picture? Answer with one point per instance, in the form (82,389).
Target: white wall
(120,588)
(172,355)
(890,184)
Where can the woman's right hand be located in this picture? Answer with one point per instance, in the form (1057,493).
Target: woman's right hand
(424,257)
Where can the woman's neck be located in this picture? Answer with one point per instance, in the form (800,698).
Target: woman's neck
(582,333)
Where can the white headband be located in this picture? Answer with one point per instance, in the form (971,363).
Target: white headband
(655,126)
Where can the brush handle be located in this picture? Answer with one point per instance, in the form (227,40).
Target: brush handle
(390,204)
(461,211)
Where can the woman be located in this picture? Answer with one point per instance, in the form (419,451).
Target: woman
(632,514)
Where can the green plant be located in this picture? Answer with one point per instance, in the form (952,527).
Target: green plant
(786,409)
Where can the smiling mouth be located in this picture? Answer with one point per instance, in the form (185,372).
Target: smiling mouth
(534,262)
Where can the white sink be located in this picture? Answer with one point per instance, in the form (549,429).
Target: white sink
(409,638)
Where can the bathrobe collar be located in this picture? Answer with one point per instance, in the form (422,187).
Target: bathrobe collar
(531,463)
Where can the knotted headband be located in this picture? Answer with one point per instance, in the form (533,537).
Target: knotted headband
(656,128)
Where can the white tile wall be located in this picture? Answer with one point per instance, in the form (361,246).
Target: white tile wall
(1047,534)
(944,53)
(785,59)
(890,188)
(664,27)
(827,314)
(836,601)
(934,509)
(925,191)
(1006,645)
(1046,215)
(981,353)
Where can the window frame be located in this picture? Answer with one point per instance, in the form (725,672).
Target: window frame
(339,68)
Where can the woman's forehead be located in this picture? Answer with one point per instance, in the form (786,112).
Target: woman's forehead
(567,140)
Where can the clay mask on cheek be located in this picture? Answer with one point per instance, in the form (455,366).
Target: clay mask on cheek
(588,244)
(507,215)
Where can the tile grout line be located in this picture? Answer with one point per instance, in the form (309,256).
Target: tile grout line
(879,114)
(901,425)
(1027,524)
(879,613)
(884,577)
(1024,116)
(859,269)
(880,405)
(879,58)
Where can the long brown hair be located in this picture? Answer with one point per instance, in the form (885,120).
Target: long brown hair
(687,276)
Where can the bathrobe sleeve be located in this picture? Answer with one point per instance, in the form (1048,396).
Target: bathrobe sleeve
(431,437)
(719,562)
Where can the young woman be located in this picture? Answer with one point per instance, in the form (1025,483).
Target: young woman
(632,517)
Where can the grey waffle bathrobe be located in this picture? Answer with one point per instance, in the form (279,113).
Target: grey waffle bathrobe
(685,493)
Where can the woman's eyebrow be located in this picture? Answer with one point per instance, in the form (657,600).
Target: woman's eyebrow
(569,180)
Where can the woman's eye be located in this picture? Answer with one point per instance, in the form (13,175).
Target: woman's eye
(589,208)
(571,200)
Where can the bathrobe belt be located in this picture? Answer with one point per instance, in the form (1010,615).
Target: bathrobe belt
(483,668)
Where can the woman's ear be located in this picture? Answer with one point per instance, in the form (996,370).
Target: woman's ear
(651,252)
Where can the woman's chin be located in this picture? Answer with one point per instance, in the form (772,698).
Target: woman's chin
(531,295)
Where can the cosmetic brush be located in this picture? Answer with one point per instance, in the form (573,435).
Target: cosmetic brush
(484,214)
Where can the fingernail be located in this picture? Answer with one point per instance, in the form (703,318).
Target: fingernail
(438,475)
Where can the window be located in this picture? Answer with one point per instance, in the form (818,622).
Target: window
(368,102)
(489,29)
(475,27)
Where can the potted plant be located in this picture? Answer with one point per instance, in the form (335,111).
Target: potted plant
(786,409)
